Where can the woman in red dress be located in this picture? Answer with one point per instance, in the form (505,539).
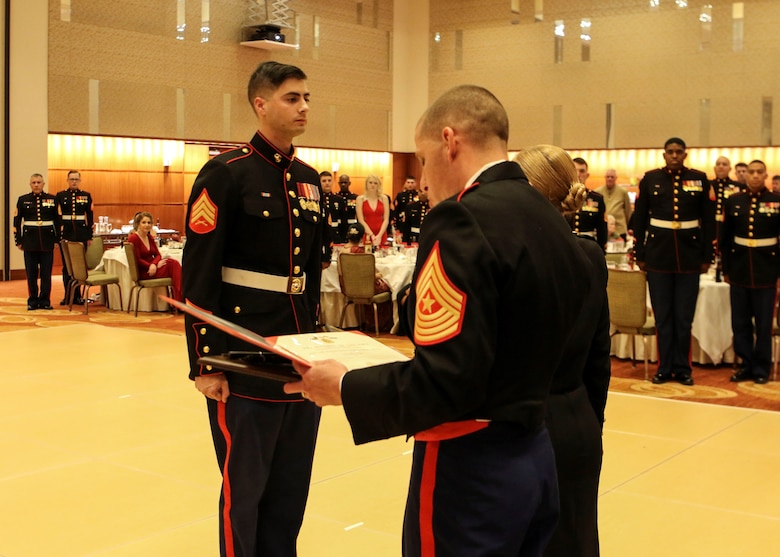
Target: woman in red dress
(373,211)
(150,263)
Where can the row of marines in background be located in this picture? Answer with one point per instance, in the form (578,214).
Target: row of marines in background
(40,221)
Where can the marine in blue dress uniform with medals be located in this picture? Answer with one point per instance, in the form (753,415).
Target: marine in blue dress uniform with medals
(36,230)
(751,261)
(674,230)
(253,255)
(75,206)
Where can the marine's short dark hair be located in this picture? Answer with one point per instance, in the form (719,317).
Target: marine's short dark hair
(676,140)
(325,173)
(269,76)
(580,160)
(472,110)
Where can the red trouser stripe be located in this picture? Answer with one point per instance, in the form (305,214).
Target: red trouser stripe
(226,493)
(427,485)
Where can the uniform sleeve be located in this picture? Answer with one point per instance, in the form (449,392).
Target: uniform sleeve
(601,229)
(627,207)
(90,216)
(446,379)
(707,223)
(641,215)
(726,238)
(207,227)
(18,222)
(597,370)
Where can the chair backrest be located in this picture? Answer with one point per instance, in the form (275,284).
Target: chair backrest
(66,257)
(358,271)
(132,264)
(78,261)
(95,252)
(627,296)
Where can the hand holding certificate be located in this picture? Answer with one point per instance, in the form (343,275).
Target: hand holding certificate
(283,358)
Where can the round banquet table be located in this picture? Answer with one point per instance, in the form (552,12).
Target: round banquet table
(711,341)
(397,270)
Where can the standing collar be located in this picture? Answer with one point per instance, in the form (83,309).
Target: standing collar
(269,152)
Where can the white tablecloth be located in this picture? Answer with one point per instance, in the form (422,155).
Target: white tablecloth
(711,330)
(396,270)
(115,263)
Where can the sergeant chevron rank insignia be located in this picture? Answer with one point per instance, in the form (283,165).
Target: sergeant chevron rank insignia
(203,216)
(440,305)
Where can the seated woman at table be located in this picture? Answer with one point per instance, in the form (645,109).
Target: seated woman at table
(373,211)
(355,234)
(150,263)
(578,393)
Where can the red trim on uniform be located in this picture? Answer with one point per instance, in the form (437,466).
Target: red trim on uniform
(450,430)
(226,489)
(427,486)
(467,188)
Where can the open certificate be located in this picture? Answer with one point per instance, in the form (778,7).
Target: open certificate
(354,350)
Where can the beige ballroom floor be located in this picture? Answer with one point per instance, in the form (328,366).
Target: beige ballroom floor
(104,451)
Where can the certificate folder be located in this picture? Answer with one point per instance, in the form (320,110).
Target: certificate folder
(354,350)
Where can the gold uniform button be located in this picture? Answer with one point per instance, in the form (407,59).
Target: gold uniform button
(237,309)
(266,214)
(245,150)
(297,250)
(289,176)
(296,212)
(206,349)
(314,218)
(676,200)
(209,368)
(676,208)
(296,270)
(203,330)
(751,219)
(292,194)
(297,232)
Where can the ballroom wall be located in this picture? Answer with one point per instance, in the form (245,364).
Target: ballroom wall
(648,64)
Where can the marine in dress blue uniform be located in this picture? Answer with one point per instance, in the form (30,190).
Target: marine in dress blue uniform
(674,229)
(348,205)
(414,214)
(721,188)
(491,309)
(36,225)
(253,256)
(75,207)
(751,261)
(591,220)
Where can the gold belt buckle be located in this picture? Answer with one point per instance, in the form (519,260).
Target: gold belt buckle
(295,285)
(676,225)
(751,243)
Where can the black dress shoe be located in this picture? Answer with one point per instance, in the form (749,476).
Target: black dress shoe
(78,302)
(742,374)
(761,380)
(64,302)
(660,378)
(45,306)
(684,379)
(31,307)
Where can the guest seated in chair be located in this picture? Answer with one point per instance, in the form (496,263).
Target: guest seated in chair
(355,235)
(150,263)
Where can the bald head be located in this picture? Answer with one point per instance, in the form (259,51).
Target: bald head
(472,111)
(722,168)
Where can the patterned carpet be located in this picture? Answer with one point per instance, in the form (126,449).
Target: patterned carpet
(712,382)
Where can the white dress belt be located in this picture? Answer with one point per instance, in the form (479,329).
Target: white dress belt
(263,281)
(39,223)
(755,242)
(74,217)
(674,224)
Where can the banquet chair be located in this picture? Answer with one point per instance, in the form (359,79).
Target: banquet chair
(69,266)
(82,276)
(138,283)
(358,272)
(628,315)
(95,253)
